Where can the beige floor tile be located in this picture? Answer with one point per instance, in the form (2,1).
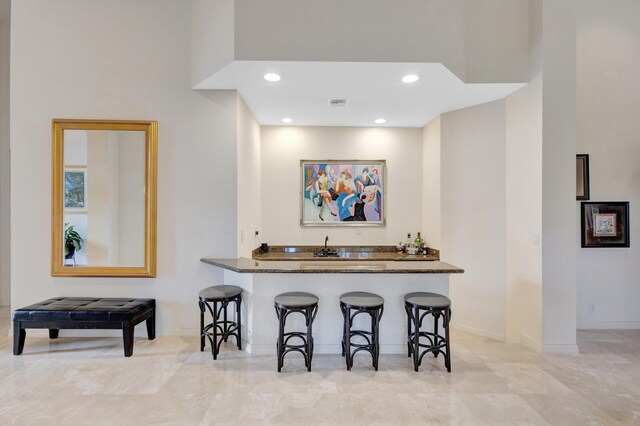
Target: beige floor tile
(501,409)
(569,410)
(169,381)
(528,378)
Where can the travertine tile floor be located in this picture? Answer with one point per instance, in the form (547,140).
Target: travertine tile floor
(87,381)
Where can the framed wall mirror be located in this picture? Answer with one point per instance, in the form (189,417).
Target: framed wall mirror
(104,175)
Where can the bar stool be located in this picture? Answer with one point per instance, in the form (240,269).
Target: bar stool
(361,302)
(307,305)
(432,304)
(216,299)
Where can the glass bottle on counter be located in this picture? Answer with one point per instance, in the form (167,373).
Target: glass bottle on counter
(408,243)
(419,242)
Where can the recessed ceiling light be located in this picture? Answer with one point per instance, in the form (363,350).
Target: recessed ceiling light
(380,121)
(411,78)
(272,77)
(287,120)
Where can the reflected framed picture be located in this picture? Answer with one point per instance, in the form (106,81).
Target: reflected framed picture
(342,192)
(605,224)
(582,177)
(75,188)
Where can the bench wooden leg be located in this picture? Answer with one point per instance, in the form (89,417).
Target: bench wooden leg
(151,325)
(53,333)
(127,337)
(19,335)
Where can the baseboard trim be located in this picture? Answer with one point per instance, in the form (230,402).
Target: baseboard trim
(609,325)
(560,349)
(530,343)
(479,332)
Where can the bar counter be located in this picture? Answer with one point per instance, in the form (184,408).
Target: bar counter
(333,266)
(328,278)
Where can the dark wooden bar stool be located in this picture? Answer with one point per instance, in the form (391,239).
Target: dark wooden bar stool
(216,299)
(360,302)
(418,305)
(286,304)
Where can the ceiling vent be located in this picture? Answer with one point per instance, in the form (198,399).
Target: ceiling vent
(338,102)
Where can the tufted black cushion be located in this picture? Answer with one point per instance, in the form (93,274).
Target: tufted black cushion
(85,309)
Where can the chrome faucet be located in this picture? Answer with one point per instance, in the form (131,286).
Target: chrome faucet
(326,240)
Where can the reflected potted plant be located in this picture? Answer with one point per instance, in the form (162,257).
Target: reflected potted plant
(72,241)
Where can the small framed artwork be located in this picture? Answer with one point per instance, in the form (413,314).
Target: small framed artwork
(342,192)
(605,224)
(582,177)
(75,188)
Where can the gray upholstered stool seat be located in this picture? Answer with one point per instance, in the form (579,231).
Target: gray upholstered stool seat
(418,305)
(422,298)
(361,302)
(216,299)
(295,299)
(286,304)
(219,292)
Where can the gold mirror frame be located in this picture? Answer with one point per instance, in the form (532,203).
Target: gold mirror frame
(57,213)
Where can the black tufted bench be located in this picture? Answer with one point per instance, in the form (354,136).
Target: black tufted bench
(85,312)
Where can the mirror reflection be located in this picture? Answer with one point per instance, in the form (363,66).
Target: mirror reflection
(104,200)
(103,206)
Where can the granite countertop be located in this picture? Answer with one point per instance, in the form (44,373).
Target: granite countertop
(333,266)
(345,253)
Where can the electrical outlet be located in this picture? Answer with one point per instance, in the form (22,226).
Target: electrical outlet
(242,236)
(592,308)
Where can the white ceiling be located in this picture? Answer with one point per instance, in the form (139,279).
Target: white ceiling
(374,91)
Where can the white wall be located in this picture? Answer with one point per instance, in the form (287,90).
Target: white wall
(473,214)
(5,176)
(608,89)
(558,177)
(212,37)
(284,147)
(432,183)
(479,41)
(249,180)
(524,198)
(128,63)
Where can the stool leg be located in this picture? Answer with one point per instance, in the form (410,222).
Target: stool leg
(239,321)
(416,342)
(54,333)
(214,348)
(201,305)
(280,351)
(408,311)
(347,340)
(344,321)
(374,338)
(225,328)
(436,316)
(447,357)
(309,342)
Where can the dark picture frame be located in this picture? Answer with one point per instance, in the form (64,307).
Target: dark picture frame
(582,177)
(605,224)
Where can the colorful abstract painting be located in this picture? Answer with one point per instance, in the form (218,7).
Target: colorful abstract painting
(343,192)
